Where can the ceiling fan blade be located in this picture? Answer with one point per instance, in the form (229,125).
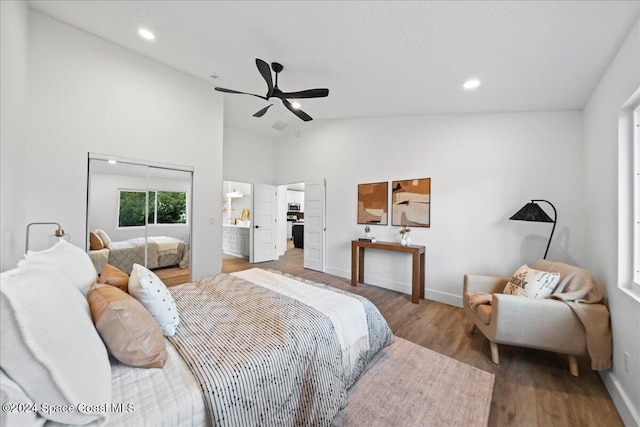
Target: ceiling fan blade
(222,89)
(301,114)
(261,112)
(265,70)
(309,93)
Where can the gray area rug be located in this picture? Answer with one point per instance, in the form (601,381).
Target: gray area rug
(409,385)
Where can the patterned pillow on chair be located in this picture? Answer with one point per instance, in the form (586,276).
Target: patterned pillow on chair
(531,283)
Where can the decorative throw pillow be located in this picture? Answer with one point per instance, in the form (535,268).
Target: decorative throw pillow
(126,327)
(106,241)
(147,288)
(113,276)
(532,283)
(95,242)
(72,261)
(50,346)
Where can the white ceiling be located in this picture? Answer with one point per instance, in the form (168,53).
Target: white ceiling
(378,58)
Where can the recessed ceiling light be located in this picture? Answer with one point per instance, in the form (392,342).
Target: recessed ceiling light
(295,105)
(146,34)
(471,84)
(112,162)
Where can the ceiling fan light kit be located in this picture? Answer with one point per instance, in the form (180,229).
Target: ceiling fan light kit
(273,91)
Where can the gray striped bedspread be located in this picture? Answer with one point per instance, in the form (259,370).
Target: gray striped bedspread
(264,359)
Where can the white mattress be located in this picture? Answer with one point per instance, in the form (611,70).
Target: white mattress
(170,396)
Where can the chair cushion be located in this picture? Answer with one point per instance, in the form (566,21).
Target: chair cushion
(484,313)
(532,283)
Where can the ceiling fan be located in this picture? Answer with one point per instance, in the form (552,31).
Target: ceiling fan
(274,92)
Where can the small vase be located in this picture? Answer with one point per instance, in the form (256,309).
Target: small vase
(408,240)
(367,235)
(403,241)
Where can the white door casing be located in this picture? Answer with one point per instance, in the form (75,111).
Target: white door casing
(314,224)
(264,223)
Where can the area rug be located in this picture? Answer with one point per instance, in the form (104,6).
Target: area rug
(409,385)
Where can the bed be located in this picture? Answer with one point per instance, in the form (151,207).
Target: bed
(162,251)
(257,347)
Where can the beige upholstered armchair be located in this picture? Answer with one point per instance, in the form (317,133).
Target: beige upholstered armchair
(558,323)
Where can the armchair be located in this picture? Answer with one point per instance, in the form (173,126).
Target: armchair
(542,323)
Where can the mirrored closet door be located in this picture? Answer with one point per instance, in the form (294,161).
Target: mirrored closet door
(139,212)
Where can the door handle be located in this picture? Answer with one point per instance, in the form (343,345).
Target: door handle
(257,226)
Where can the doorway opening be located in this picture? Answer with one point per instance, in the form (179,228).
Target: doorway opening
(291,215)
(236,220)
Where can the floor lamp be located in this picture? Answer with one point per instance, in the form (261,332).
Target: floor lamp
(533,212)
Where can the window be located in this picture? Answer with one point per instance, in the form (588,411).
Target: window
(636,198)
(629,197)
(164,207)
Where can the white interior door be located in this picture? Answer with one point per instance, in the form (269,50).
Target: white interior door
(314,224)
(264,223)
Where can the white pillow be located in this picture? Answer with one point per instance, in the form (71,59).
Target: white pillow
(49,344)
(154,295)
(531,283)
(12,394)
(106,240)
(72,261)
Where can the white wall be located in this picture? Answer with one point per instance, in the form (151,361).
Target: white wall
(104,204)
(89,95)
(247,157)
(600,119)
(483,168)
(14,48)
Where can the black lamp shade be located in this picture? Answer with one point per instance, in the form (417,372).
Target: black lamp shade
(531,212)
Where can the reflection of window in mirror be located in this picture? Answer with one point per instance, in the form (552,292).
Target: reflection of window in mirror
(139,212)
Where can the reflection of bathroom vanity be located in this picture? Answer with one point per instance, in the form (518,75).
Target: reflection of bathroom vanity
(236,240)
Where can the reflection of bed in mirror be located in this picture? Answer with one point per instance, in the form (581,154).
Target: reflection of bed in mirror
(162,251)
(128,199)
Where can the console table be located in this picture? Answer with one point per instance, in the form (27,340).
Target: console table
(416,251)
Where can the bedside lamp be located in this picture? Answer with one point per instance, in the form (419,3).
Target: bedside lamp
(58,234)
(533,212)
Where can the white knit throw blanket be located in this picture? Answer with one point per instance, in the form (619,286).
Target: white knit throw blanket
(346,313)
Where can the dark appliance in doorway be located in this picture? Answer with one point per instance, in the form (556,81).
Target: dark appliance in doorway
(294,207)
(298,235)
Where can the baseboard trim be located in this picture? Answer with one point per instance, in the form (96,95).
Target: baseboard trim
(624,405)
(430,294)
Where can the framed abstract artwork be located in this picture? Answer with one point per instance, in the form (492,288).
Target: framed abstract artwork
(373,203)
(411,202)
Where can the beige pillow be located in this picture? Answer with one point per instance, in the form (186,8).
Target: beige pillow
(106,241)
(126,327)
(531,283)
(113,276)
(95,242)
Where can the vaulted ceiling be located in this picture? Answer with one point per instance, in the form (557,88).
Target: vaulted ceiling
(378,58)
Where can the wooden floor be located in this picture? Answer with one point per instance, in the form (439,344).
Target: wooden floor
(532,387)
(172,276)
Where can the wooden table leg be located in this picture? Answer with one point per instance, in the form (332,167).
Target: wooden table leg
(361,265)
(354,264)
(415,279)
(423,273)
